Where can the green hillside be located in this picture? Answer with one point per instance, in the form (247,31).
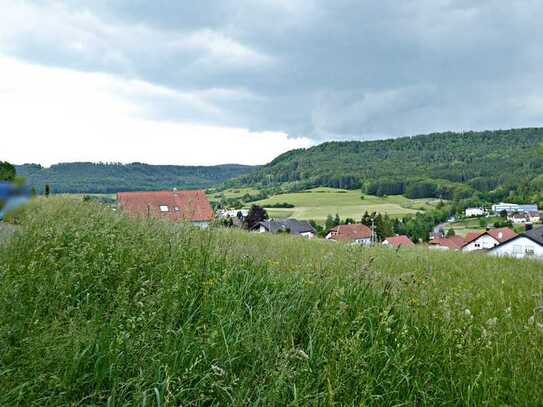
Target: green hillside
(448,165)
(109,178)
(316,204)
(99,309)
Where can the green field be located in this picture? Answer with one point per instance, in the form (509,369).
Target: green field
(237,193)
(100,309)
(317,203)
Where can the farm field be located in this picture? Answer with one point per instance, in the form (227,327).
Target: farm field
(317,203)
(100,309)
(230,193)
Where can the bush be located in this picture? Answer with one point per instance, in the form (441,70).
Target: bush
(280,205)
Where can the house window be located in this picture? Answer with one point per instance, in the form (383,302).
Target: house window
(176,209)
(164,208)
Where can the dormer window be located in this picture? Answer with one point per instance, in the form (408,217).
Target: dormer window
(164,208)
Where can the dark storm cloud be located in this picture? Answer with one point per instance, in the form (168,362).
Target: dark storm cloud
(317,68)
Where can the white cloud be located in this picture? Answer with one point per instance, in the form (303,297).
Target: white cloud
(221,49)
(51,115)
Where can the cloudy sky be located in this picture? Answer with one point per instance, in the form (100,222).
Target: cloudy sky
(207,82)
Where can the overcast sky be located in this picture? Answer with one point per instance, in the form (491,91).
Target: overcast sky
(208,82)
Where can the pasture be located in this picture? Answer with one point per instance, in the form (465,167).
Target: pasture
(317,203)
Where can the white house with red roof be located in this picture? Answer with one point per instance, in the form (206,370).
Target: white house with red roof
(525,245)
(487,240)
(176,206)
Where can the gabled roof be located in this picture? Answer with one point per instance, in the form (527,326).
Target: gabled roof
(453,242)
(181,205)
(501,235)
(398,241)
(350,232)
(535,235)
(294,226)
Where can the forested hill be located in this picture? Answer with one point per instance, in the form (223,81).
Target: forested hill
(108,178)
(443,164)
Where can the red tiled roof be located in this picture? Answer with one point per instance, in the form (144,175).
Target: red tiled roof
(397,241)
(453,242)
(502,234)
(471,236)
(350,232)
(182,205)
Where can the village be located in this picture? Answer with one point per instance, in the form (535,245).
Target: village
(193,206)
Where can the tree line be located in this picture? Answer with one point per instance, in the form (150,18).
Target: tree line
(485,166)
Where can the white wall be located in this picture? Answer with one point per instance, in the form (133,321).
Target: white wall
(362,242)
(474,212)
(519,248)
(483,242)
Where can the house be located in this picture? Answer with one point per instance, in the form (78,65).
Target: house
(398,241)
(519,217)
(534,216)
(525,245)
(233,213)
(355,233)
(474,212)
(487,240)
(446,243)
(291,226)
(177,206)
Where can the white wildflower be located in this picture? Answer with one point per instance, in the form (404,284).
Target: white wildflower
(300,354)
(467,313)
(217,370)
(491,323)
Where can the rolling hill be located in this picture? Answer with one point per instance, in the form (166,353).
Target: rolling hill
(447,165)
(84,177)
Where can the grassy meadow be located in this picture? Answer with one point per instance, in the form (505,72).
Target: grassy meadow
(100,309)
(317,203)
(237,193)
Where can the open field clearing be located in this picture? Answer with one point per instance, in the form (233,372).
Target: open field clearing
(99,309)
(317,203)
(231,193)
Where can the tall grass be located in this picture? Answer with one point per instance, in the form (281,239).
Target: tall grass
(99,309)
